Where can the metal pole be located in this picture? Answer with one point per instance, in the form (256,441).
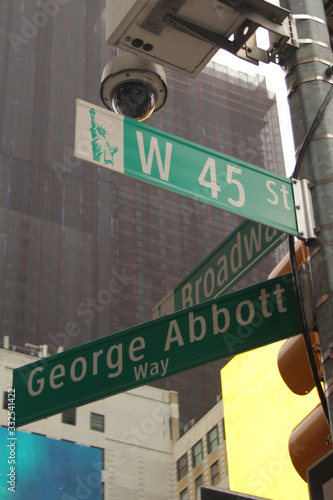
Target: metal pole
(309,84)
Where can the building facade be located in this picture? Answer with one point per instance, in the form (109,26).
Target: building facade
(68,228)
(134,430)
(200,455)
(137,432)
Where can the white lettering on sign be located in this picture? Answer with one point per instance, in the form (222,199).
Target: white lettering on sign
(96,355)
(40,382)
(152,369)
(255,241)
(216,319)
(241,195)
(263,299)
(187,295)
(211,184)
(54,375)
(115,362)
(209,282)
(133,348)
(269,237)
(245,249)
(250,313)
(285,194)
(222,275)
(236,255)
(245,314)
(275,199)
(173,326)
(189,329)
(200,321)
(78,370)
(209,170)
(278,293)
(154,148)
(82,370)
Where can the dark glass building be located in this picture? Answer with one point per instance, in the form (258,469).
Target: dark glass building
(69,228)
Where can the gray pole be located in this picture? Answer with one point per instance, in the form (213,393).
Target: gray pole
(309,85)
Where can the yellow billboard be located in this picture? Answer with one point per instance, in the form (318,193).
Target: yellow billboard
(260,412)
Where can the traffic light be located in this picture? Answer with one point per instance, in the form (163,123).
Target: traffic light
(310,439)
(294,366)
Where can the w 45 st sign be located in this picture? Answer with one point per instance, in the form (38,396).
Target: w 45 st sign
(192,170)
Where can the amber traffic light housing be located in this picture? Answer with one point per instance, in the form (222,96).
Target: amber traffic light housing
(311,439)
(294,366)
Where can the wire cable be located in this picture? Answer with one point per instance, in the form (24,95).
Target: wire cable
(301,311)
(305,330)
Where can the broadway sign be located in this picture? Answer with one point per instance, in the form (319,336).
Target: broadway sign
(232,259)
(238,322)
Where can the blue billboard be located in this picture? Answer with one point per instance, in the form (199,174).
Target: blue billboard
(34,467)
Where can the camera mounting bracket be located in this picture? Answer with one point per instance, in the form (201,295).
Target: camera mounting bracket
(183,35)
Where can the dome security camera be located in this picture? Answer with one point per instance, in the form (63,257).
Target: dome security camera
(133,87)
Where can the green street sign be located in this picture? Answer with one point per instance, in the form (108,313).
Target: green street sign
(189,169)
(235,323)
(232,259)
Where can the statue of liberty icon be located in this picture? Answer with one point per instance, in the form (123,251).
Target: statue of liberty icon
(102,151)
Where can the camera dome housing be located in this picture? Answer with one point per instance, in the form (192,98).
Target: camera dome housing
(133,87)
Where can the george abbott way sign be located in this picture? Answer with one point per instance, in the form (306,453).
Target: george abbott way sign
(238,322)
(232,259)
(189,169)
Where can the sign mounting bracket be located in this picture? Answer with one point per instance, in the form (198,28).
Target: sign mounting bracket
(304,209)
